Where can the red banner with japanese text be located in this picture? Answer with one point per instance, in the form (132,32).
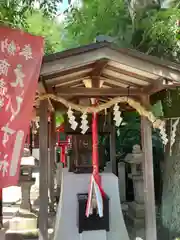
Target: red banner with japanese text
(20,62)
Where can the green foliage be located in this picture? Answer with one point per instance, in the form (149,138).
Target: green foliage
(47,28)
(160,34)
(154,30)
(157,109)
(34,18)
(97,17)
(130,134)
(13,12)
(59,119)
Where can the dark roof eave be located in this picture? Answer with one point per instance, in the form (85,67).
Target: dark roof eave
(75,51)
(127,51)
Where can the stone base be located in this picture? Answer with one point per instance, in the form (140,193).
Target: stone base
(89,235)
(136,209)
(136,214)
(19,224)
(23,222)
(66,219)
(21,235)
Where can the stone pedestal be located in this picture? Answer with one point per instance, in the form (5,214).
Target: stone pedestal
(66,219)
(24,223)
(122,181)
(25,191)
(136,211)
(108,167)
(58,180)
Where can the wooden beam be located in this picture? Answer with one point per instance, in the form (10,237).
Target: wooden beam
(127,61)
(117,81)
(130,62)
(67,82)
(130,74)
(113,147)
(148,175)
(43,181)
(99,66)
(95,74)
(72,71)
(51,162)
(77,61)
(96,92)
(128,79)
(157,86)
(42,89)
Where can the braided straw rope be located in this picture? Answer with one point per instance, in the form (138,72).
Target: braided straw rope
(157,123)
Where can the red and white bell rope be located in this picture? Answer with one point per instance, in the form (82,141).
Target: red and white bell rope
(96,193)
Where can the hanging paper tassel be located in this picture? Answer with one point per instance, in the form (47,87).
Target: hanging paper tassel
(95,199)
(117,115)
(72,118)
(163,133)
(84,123)
(173,133)
(37,124)
(118,132)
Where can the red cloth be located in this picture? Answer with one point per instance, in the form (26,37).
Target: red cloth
(20,61)
(95,163)
(95,154)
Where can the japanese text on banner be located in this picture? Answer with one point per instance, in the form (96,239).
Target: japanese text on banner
(20,61)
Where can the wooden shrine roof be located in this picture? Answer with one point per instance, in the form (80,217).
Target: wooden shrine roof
(117,71)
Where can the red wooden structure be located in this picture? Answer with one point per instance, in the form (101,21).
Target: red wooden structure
(63,144)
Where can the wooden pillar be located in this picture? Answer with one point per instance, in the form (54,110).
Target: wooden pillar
(51,162)
(113,149)
(43,181)
(148,175)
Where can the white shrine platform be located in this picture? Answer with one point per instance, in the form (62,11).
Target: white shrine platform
(66,220)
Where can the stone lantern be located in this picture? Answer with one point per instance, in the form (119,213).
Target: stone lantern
(24,223)
(26,180)
(136,210)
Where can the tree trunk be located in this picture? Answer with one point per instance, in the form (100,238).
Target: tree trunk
(171,192)
(137,7)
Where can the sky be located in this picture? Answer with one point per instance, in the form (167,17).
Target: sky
(63,6)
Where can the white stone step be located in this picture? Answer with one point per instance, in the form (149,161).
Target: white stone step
(20,223)
(96,235)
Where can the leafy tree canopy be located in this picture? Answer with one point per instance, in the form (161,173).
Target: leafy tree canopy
(154,30)
(14,11)
(36,17)
(95,17)
(46,27)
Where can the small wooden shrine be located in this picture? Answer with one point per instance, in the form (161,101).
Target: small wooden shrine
(113,76)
